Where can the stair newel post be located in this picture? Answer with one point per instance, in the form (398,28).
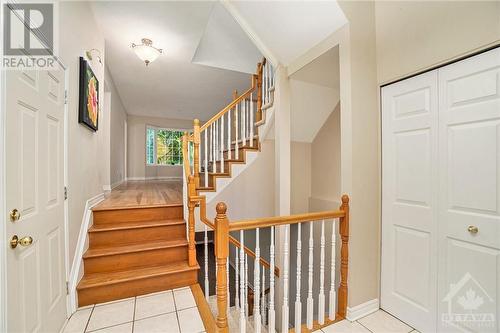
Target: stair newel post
(222,253)
(191,207)
(259,90)
(344,256)
(196,163)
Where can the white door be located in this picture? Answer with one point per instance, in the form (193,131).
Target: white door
(36,295)
(409,196)
(469,194)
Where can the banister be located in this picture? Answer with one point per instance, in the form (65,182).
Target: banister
(248,251)
(281,220)
(229,107)
(201,199)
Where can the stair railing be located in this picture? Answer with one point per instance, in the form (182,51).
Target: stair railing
(210,145)
(337,305)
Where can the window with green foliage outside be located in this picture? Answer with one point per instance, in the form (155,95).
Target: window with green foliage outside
(163,146)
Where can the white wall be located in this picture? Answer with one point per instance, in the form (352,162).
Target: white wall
(85,172)
(118,117)
(325,160)
(136,151)
(415,35)
(251,194)
(300,175)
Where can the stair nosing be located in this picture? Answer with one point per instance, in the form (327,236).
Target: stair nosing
(124,250)
(116,225)
(90,285)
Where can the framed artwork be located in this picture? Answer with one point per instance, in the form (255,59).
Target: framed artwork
(88,110)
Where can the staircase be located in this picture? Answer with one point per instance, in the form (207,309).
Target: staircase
(232,138)
(135,251)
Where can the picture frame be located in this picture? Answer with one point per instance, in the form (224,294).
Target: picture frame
(89,103)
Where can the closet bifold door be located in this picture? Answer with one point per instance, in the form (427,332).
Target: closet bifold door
(469,195)
(409,200)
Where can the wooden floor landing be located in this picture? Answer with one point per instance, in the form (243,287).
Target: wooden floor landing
(133,194)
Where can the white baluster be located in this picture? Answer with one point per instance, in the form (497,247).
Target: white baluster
(271,315)
(321,297)
(251,120)
(268,92)
(227,279)
(206,158)
(246,285)
(333,294)
(256,283)
(298,303)
(248,120)
(310,301)
(264,85)
(212,146)
(243,122)
(222,145)
(237,275)
(272,76)
(242,283)
(214,158)
(263,298)
(284,308)
(217,144)
(236,123)
(229,125)
(205,242)
(267,83)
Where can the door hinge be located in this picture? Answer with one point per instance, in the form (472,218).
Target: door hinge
(65,193)
(65,97)
(67,288)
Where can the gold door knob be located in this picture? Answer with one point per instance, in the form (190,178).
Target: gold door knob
(14,215)
(473,229)
(25,241)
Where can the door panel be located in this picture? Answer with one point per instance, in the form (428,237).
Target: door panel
(34,185)
(409,243)
(469,143)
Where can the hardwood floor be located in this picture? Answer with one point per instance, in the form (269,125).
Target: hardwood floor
(132,194)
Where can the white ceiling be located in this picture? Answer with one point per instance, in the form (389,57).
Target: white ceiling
(172,86)
(290,28)
(314,91)
(225,45)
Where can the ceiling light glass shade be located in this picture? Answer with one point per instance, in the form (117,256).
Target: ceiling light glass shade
(146,51)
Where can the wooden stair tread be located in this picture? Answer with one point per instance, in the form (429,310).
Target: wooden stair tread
(129,248)
(109,278)
(134,225)
(206,189)
(99,208)
(242,148)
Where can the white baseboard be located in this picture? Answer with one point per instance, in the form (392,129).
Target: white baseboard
(154,178)
(76,267)
(361,310)
(118,183)
(106,188)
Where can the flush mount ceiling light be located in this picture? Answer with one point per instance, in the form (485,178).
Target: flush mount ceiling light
(146,51)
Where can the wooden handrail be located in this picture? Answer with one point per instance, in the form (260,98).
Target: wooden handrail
(201,199)
(230,106)
(281,220)
(262,261)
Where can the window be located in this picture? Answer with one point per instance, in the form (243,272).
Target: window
(163,146)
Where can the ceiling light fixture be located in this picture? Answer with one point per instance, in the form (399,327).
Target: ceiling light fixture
(146,51)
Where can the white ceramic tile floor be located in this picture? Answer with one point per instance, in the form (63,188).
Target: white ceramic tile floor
(172,311)
(377,322)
